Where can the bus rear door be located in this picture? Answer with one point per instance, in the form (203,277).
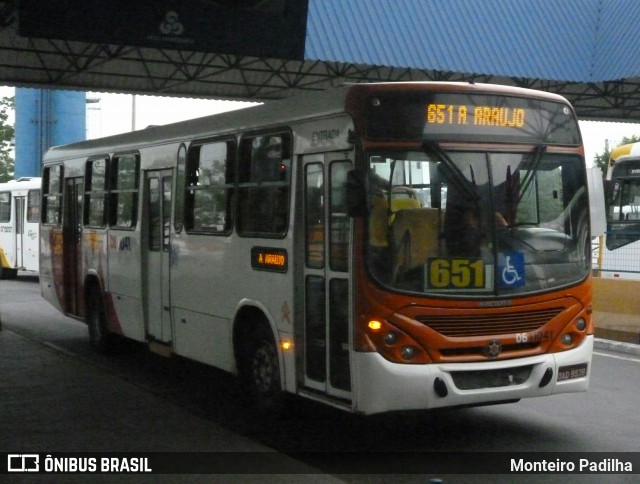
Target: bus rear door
(327,303)
(72,245)
(158,186)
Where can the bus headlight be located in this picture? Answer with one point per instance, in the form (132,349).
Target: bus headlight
(408,352)
(393,343)
(567,339)
(391,338)
(581,324)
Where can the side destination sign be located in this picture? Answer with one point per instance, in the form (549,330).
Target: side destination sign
(269,259)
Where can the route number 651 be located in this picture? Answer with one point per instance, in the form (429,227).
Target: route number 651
(456,273)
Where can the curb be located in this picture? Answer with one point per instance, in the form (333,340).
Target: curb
(607,344)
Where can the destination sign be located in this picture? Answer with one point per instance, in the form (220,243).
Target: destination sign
(463,114)
(450,116)
(626,168)
(269,259)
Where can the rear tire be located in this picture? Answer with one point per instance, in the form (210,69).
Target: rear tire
(99,336)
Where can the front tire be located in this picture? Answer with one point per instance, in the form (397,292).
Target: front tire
(261,372)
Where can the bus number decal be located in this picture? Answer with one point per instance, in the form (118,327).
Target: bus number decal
(535,337)
(456,273)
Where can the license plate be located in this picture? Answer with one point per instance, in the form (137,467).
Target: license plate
(572,372)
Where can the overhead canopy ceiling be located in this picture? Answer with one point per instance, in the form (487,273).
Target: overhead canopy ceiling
(583,49)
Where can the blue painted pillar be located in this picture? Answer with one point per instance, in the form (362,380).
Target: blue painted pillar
(46,118)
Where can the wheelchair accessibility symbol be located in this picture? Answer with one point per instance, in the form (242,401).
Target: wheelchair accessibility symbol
(511,270)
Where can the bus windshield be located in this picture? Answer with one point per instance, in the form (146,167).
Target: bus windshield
(477,222)
(623,206)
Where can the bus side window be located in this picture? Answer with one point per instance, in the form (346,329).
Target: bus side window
(181,167)
(210,181)
(52,195)
(123,199)
(263,185)
(5,207)
(33,206)
(95,193)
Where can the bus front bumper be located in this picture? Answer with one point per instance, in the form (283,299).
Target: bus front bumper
(382,386)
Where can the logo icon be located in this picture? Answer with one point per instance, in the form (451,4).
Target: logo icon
(493,349)
(171,24)
(23,462)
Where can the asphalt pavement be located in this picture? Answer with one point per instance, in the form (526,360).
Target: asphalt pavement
(54,403)
(51,401)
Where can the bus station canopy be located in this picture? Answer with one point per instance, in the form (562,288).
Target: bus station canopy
(585,50)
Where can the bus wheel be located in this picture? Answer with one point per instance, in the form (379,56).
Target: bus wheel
(262,372)
(99,335)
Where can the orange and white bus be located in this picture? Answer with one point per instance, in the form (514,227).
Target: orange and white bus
(19,226)
(377,247)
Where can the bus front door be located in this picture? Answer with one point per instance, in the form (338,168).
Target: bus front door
(158,185)
(19,218)
(327,300)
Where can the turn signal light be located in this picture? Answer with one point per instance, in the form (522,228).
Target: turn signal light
(286,344)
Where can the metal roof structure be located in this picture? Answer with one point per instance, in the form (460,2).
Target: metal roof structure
(585,50)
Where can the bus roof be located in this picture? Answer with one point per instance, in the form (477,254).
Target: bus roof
(621,153)
(23,183)
(281,112)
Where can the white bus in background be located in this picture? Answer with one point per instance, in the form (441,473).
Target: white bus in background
(19,226)
(619,252)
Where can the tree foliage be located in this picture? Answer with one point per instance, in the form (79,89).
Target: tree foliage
(7,139)
(602,159)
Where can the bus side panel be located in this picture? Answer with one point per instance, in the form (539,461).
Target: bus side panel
(271,292)
(202,308)
(125,282)
(51,266)
(6,246)
(206,272)
(31,249)
(203,338)
(94,261)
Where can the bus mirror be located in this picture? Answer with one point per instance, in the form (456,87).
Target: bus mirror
(356,194)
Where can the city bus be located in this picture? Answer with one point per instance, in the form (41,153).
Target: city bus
(375,247)
(19,226)
(619,250)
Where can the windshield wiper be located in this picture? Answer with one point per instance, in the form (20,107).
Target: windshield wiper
(538,153)
(457,177)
